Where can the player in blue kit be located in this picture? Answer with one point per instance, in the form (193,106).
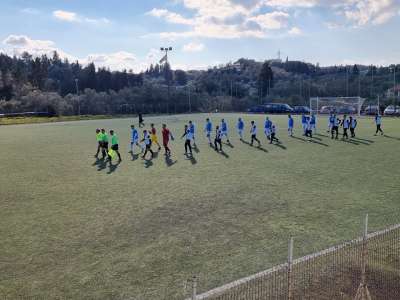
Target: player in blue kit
(240,128)
(267,128)
(224,130)
(290,125)
(207,130)
(134,138)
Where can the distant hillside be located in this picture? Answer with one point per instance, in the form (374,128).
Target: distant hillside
(61,87)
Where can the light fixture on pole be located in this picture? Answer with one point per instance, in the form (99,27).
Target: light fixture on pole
(165,59)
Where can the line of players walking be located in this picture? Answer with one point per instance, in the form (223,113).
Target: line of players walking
(221,132)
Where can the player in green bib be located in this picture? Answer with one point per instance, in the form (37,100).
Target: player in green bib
(104,143)
(114,146)
(99,138)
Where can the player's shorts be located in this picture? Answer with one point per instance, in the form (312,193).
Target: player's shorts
(114,147)
(154,138)
(240,131)
(313,126)
(208,133)
(224,133)
(135,141)
(105,144)
(290,128)
(267,131)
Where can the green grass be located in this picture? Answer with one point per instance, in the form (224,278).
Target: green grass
(73,229)
(35,120)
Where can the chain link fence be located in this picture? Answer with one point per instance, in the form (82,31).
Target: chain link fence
(364,268)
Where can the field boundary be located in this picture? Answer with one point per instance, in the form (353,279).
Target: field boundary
(216,292)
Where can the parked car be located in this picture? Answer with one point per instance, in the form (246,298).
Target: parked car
(346,110)
(301,110)
(371,110)
(278,108)
(259,109)
(327,110)
(392,110)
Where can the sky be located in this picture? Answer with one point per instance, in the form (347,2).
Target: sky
(128,34)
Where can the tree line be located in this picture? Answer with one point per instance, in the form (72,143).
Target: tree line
(60,87)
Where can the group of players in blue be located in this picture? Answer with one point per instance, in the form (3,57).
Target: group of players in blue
(215,136)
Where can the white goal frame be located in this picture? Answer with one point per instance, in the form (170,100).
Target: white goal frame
(356,102)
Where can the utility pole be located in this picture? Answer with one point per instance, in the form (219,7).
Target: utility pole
(165,58)
(347,81)
(372,81)
(231,90)
(190,102)
(77,94)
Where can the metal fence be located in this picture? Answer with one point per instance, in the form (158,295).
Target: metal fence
(364,268)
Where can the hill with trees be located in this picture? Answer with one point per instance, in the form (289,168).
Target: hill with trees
(60,87)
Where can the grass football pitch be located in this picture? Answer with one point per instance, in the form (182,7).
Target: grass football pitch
(74,228)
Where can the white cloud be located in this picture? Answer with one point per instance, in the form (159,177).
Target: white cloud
(30,11)
(219,9)
(115,61)
(274,20)
(65,16)
(193,47)
(18,44)
(295,31)
(292,3)
(222,19)
(68,16)
(367,12)
(170,16)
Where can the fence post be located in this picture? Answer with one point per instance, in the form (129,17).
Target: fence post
(289,270)
(194,288)
(363,292)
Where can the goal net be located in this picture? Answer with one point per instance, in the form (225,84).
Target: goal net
(337,105)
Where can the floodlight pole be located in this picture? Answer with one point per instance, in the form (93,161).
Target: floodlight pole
(372,80)
(190,102)
(77,94)
(347,81)
(166,50)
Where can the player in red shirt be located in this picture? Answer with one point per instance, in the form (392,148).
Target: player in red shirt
(166,134)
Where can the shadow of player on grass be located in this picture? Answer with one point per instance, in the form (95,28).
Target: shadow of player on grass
(134,156)
(222,153)
(113,167)
(191,158)
(391,137)
(101,164)
(310,140)
(169,162)
(148,163)
(255,147)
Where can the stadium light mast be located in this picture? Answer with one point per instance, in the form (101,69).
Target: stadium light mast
(165,59)
(394,86)
(372,80)
(393,69)
(77,94)
(347,81)
(189,100)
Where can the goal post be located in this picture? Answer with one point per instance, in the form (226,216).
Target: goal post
(338,105)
